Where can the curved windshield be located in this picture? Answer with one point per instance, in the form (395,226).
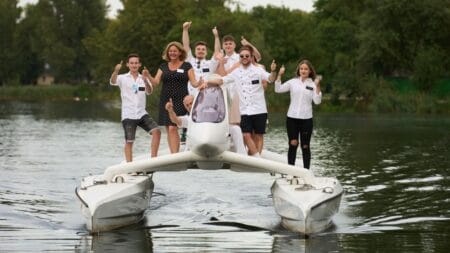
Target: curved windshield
(209,106)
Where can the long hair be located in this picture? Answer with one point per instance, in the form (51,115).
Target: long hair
(312,71)
(178,45)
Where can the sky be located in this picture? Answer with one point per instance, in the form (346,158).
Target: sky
(306,5)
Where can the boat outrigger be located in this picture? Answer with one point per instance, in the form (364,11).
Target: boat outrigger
(120,195)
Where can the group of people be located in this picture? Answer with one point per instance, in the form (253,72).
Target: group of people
(183,74)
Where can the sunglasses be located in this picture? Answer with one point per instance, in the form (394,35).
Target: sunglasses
(198,64)
(244,56)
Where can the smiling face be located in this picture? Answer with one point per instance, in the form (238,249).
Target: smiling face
(173,53)
(201,51)
(229,46)
(245,57)
(304,71)
(133,64)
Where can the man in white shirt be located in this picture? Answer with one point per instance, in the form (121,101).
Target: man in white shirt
(202,67)
(248,81)
(133,91)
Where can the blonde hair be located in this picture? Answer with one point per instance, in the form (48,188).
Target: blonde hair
(178,45)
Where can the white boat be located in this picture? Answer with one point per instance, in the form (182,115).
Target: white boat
(121,194)
(110,205)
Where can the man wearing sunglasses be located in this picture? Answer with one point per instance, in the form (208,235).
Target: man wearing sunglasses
(247,80)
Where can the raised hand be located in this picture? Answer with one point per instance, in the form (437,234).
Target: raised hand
(215,32)
(145,72)
(273,66)
(282,70)
(187,25)
(318,79)
(244,42)
(118,67)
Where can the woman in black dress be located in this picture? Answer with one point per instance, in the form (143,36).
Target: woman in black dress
(175,74)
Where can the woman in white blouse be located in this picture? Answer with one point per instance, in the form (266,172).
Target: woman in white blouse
(299,123)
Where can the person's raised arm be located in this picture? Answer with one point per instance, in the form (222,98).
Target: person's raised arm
(147,82)
(216,40)
(280,88)
(273,73)
(153,80)
(172,115)
(192,79)
(185,36)
(221,63)
(256,53)
(115,73)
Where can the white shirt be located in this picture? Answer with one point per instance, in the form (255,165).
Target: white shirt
(248,82)
(231,60)
(202,68)
(303,94)
(132,93)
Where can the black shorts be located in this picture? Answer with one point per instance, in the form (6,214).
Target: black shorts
(130,125)
(254,123)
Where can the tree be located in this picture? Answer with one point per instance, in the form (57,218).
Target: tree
(9,15)
(53,31)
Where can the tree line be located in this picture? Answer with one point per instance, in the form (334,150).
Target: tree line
(355,45)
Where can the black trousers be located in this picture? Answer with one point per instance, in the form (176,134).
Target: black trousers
(299,128)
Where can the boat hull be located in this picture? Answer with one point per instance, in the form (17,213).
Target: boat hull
(107,206)
(305,208)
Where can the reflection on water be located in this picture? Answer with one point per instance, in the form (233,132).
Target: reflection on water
(394,171)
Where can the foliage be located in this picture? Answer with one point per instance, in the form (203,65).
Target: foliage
(377,52)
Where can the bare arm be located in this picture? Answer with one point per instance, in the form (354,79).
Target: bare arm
(273,73)
(256,53)
(172,115)
(147,82)
(216,40)
(192,79)
(115,73)
(155,80)
(185,36)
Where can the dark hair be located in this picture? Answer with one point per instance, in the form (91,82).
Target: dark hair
(228,37)
(132,56)
(200,43)
(312,72)
(248,48)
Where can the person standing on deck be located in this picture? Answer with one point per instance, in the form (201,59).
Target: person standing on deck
(133,91)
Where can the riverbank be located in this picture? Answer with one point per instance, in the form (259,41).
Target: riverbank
(402,99)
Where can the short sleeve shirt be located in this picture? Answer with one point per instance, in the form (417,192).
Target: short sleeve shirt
(248,82)
(133,96)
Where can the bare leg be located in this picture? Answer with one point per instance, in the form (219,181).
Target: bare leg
(258,139)
(173,138)
(250,144)
(156,138)
(128,151)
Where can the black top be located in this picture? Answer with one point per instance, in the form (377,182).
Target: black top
(175,86)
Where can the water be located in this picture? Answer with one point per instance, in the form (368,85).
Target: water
(394,169)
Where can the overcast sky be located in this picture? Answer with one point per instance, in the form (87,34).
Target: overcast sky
(306,5)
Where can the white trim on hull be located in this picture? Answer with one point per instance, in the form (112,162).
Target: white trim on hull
(306,208)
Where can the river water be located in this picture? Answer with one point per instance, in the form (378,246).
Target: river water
(394,169)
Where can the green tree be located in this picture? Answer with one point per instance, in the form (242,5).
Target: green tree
(55,29)
(9,15)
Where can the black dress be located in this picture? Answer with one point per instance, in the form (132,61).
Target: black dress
(175,86)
